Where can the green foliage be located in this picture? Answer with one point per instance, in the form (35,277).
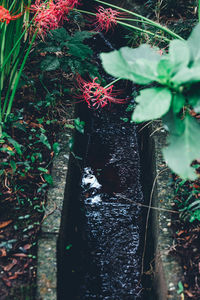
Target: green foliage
(79,125)
(180,288)
(68,53)
(177,75)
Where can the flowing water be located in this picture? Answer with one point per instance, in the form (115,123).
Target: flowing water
(112,227)
(105,226)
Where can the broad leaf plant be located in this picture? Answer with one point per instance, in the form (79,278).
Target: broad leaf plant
(173,93)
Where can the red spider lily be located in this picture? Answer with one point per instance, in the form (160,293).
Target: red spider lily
(5,15)
(45,18)
(63,7)
(106,18)
(96,95)
(51,15)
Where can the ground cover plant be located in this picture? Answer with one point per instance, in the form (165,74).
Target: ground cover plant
(51,35)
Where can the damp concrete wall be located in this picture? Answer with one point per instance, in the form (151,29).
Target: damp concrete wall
(48,239)
(158,178)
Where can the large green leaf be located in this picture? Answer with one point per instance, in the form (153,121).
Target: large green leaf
(79,50)
(153,103)
(183,149)
(58,35)
(178,102)
(50,63)
(179,54)
(164,70)
(172,123)
(194,43)
(80,36)
(187,76)
(138,65)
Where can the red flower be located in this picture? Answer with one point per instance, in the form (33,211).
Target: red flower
(45,18)
(106,18)
(5,15)
(51,15)
(96,95)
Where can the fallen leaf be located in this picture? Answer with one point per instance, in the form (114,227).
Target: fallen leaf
(3,252)
(27,246)
(189,294)
(10,266)
(20,255)
(5,223)
(6,281)
(180,232)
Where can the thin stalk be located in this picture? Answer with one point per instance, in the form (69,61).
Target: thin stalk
(113,82)
(129,25)
(12,76)
(199,10)
(86,12)
(144,31)
(3,39)
(19,75)
(157,25)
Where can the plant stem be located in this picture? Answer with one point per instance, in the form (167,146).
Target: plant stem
(84,12)
(157,25)
(129,25)
(199,10)
(113,82)
(144,31)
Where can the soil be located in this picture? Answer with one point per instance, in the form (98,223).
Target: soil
(23,186)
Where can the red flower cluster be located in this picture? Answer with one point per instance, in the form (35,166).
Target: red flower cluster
(51,15)
(5,15)
(106,18)
(96,95)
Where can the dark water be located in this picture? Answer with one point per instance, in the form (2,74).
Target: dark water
(112,228)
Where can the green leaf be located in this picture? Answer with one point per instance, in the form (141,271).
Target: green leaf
(172,123)
(80,36)
(51,49)
(50,63)
(138,65)
(179,54)
(13,166)
(71,143)
(43,139)
(194,44)
(152,104)
(180,288)
(183,149)
(48,178)
(178,102)
(164,70)
(56,148)
(59,35)
(194,99)
(79,50)
(186,75)
(79,125)
(16,145)
(42,170)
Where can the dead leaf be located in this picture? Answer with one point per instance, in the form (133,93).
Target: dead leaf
(20,255)
(189,294)
(180,232)
(3,252)
(27,246)
(6,281)
(5,223)
(10,266)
